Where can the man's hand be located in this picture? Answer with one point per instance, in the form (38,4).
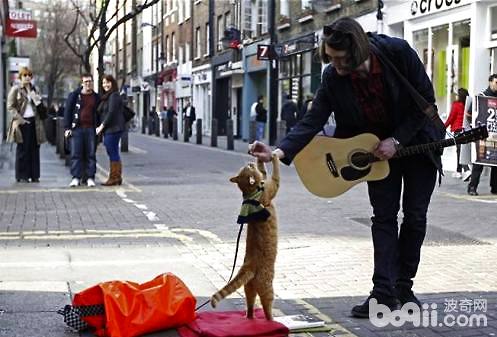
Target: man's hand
(67,133)
(260,150)
(385,149)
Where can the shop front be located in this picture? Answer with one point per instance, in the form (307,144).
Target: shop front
(299,69)
(201,77)
(453,38)
(255,83)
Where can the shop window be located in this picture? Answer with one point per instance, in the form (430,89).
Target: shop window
(460,55)
(440,37)
(493,23)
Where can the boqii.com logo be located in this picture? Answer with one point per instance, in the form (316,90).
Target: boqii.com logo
(462,313)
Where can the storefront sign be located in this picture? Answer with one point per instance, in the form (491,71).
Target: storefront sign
(486,150)
(298,45)
(421,7)
(20,24)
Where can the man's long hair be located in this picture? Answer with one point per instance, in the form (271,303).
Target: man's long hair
(346,34)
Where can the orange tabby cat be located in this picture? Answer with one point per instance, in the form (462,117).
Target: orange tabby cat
(257,271)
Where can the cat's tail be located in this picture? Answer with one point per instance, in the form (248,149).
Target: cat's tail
(243,277)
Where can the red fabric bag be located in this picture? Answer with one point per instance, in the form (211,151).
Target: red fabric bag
(232,324)
(133,309)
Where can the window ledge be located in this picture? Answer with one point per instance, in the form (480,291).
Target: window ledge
(197,58)
(284,26)
(333,8)
(198,2)
(306,18)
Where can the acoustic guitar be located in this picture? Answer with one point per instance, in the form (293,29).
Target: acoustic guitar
(330,166)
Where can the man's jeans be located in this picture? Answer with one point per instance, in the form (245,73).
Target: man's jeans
(397,253)
(83,148)
(259,131)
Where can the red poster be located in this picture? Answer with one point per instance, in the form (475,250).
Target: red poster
(21,28)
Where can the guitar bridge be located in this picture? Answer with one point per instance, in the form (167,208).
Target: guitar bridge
(331,165)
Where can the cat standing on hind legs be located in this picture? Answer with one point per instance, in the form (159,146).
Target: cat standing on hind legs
(257,272)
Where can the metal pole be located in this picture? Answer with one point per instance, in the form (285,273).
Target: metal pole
(273,75)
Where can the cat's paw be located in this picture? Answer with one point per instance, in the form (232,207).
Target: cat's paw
(214,302)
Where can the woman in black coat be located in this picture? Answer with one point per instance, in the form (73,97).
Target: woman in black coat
(112,117)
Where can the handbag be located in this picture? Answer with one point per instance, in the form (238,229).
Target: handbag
(41,109)
(128,113)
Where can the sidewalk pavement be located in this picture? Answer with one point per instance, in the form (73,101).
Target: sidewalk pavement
(37,281)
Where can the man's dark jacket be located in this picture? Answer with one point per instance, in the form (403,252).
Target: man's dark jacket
(336,94)
(72,112)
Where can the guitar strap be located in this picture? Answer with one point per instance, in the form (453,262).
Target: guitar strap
(427,108)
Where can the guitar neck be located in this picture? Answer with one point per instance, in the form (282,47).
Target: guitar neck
(423,148)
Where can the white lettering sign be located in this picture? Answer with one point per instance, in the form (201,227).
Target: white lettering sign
(422,7)
(19,14)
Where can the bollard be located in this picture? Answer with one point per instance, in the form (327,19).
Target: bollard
(214,133)
(175,128)
(125,138)
(199,131)
(57,135)
(280,131)
(151,125)
(157,125)
(230,141)
(61,139)
(252,131)
(186,131)
(144,124)
(165,129)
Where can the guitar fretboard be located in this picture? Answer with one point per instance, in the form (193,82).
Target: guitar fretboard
(423,148)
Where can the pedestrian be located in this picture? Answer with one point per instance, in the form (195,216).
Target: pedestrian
(112,125)
(260,118)
(455,121)
(170,115)
(80,121)
(477,169)
(26,127)
(289,113)
(354,86)
(189,116)
(306,106)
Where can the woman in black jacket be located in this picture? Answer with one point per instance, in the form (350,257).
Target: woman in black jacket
(111,115)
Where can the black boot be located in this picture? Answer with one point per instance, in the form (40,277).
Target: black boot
(405,295)
(362,310)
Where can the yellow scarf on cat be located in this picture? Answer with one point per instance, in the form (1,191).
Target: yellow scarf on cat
(252,209)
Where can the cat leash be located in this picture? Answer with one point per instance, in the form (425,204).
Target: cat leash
(234,264)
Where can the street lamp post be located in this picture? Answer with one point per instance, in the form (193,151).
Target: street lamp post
(148,105)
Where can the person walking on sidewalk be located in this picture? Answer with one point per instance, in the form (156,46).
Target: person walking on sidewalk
(455,121)
(289,113)
(366,96)
(260,118)
(80,121)
(478,168)
(26,127)
(189,116)
(170,115)
(112,125)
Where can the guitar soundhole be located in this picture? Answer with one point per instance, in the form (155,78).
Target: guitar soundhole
(359,160)
(351,174)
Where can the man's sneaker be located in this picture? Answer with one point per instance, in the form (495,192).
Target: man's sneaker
(74,182)
(90,182)
(466,175)
(362,310)
(456,175)
(405,295)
